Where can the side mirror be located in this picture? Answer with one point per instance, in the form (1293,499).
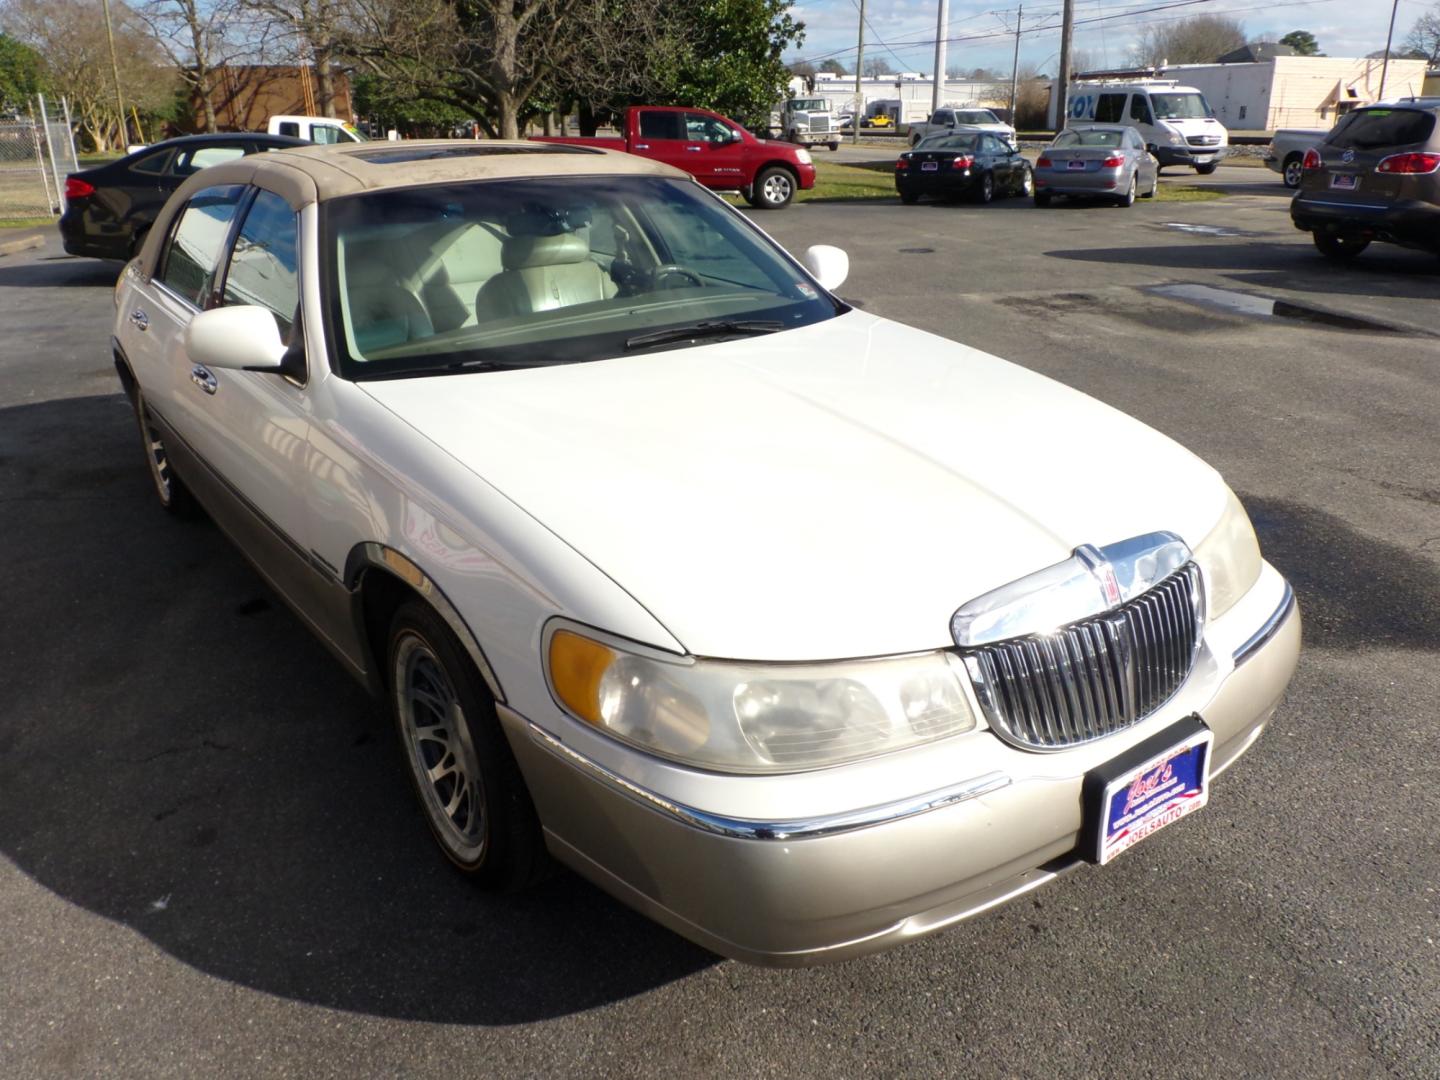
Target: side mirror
(829,265)
(242,338)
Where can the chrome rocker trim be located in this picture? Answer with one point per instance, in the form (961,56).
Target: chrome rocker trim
(1268,629)
(796,829)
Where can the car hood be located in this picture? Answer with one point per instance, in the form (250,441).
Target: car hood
(836,490)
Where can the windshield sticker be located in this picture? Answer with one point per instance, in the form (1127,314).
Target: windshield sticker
(807,291)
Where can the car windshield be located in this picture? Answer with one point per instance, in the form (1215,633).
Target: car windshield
(1372,129)
(976,116)
(811,105)
(1087,138)
(1190,105)
(524,273)
(948,142)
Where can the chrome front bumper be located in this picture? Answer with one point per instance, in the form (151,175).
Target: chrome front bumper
(791,891)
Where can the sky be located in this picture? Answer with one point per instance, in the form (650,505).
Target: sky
(903,31)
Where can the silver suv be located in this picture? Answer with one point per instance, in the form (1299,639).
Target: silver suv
(1376,176)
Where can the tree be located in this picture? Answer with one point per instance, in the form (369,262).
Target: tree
(878,65)
(1303,42)
(833,67)
(1423,41)
(198,37)
(70,36)
(22,74)
(1200,40)
(309,31)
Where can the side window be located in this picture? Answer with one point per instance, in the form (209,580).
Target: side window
(324,134)
(262,266)
(702,128)
(193,159)
(1110,108)
(152,164)
(662,125)
(188,263)
(1140,109)
(944,116)
(289,127)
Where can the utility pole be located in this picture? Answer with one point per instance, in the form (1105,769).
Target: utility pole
(1015,64)
(937,95)
(115,70)
(1389,37)
(859,73)
(1061,94)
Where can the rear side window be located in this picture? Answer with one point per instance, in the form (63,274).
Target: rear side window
(152,164)
(193,159)
(262,266)
(289,127)
(662,125)
(1110,108)
(188,263)
(1371,129)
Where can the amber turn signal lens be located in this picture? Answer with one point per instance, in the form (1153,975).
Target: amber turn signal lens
(577,665)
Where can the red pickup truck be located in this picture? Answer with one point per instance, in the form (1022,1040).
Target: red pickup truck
(717,152)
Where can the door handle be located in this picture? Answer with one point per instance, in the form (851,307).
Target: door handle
(694,149)
(202,378)
(140,319)
(642,146)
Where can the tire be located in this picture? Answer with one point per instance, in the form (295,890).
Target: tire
(1154,187)
(1292,170)
(834,147)
(986,192)
(914,140)
(909,198)
(773,189)
(137,240)
(1043,199)
(1027,183)
(1206,170)
(170,490)
(1338,246)
(1128,199)
(477,807)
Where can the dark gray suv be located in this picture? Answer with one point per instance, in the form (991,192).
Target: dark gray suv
(1375,177)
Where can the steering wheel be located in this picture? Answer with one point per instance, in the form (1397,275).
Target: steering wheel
(660,273)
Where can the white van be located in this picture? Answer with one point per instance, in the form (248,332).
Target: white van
(1176,122)
(318,129)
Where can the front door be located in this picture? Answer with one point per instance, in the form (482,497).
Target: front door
(720,162)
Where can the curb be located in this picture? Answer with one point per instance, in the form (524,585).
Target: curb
(22,243)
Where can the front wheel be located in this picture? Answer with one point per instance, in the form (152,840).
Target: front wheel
(1293,171)
(1207,169)
(1339,246)
(834,147)
(773,189)
(460,766)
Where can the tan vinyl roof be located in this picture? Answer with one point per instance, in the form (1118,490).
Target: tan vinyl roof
(306,174)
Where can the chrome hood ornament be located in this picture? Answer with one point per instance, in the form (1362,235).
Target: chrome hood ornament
(1091,581)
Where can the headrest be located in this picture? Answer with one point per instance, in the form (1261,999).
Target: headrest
(547,221)
(520,252)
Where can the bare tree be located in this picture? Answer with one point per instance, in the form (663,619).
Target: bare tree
(1424,37)
(70,35)
(1200,40)
(199,37)
(308,31)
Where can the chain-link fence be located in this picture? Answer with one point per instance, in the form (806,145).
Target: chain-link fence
(36,153)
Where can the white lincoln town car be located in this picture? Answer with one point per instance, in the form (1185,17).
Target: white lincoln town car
(801,631)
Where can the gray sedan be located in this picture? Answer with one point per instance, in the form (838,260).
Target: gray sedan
(1096,160)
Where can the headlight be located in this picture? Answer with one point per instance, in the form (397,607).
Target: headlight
(757,718)
(1175,139)
(1229,558)
(803,156)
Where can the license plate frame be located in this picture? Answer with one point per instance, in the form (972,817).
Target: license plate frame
(929,166)
(1344,181)
(1075,166)
(1154,784)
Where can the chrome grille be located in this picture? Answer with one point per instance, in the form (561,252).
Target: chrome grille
(1203,140)
(1094,677)
(819,124)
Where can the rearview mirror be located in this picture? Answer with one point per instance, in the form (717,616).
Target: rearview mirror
(240,338)
(829,265)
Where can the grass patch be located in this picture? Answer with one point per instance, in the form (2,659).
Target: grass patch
(850,182)
(1188,193)
(27,223)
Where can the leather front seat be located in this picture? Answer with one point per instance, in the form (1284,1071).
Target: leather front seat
(383,312)
(541,273)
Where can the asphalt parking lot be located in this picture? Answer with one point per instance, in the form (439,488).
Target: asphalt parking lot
(210,864)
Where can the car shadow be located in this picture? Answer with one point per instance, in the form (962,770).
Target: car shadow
(180,756)
(48,271)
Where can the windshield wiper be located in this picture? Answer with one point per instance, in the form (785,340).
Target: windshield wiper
(717,328)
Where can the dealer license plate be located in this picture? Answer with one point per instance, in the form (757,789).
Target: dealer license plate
(1155,784)
(929,166)
(1075,166)
(1344,183)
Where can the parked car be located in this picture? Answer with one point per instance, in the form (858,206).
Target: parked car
(718,152)
(1376,176)
(782,622)
(878,120)
(1106,161)
(974,164)
(1286,152)
(950,119)
(109,209)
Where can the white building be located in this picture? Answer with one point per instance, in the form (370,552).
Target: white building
(906,97)
(1296,91)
